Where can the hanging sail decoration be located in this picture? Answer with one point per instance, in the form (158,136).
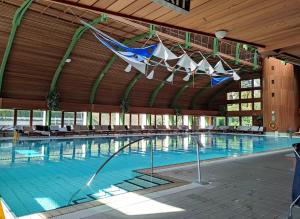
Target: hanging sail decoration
(218,80)
(147,58)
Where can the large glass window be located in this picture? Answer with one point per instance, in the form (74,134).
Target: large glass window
(233,121)
(104,118)
(69,118)
(246,121)
(134,119)
(257,94)
(95,119)
(148,119)
(127,119)
(233,96)
(114,120)
(6,117)
(257,105)
(159,119)
(172,120)
(246,94)
(81,118)
(233,107)
(179,120)
(152,119)
(23,117)
(256,82)
(219,121)
(246,106)
(246,83)
(39,117)
(56,118)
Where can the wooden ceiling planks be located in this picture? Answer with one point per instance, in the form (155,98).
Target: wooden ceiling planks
(41,42)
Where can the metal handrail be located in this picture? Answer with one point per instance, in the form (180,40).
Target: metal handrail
(102,166)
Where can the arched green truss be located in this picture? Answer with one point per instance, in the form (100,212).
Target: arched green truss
(157,90)
(181,91)
(76,37)
(129,87)
(15,24)
(211,99)
(193,103)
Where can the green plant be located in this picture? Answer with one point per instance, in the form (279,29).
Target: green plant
(53,100)
(259,120)
(124,106)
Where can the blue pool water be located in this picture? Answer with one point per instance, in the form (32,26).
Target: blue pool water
(41,175)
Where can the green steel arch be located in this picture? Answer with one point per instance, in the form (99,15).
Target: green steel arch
(193,103)
(76,37)
(15,24)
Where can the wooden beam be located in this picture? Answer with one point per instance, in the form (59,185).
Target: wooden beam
(15,24)
(132,17)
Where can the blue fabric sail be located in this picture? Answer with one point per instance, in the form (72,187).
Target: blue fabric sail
(218,80)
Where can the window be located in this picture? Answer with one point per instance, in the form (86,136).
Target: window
(152,120)
(172,120)
(6,117)
(233,121)
(246,121)
(23,117)
(104,118)
(159,119)
(219,121)
(246,94)
(148,119)
(233,107)
(246,83)
(69,118)
(179,120)
(246,106)
(39,117)
(257,94)
(134,119)
(256,82)
(114,119)
(233,96)
(126,119)
(81,118)
(95,118)
(257,105)
(56,118)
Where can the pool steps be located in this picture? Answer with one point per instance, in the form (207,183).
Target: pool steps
(130,185)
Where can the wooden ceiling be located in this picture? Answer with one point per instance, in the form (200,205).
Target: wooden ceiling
(273,24)
(45,34)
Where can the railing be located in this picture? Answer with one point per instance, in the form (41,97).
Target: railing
(103,165)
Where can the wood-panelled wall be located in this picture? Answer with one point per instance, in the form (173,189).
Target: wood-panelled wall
(280,94)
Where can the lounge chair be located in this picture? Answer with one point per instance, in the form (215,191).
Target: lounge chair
(81,130)
(183,128)
(173,128)
(210,128)
(243,129)
(261,130)
(29,131)
(135,129)
(148,129)
(254,129)
(296,181)
(102,129)
(120,129)
(223,128)
(161,128)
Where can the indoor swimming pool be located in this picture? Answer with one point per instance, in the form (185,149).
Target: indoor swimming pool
(40,175)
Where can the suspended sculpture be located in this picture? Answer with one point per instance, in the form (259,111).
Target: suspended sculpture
(148,58)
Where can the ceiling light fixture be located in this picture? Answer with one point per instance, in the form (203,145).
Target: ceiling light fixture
(220,34)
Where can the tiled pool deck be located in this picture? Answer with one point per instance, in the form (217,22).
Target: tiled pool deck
(256,186)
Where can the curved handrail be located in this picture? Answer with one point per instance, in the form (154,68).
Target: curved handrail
(102,166)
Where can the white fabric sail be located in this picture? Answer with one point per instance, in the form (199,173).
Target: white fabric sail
(186,62)
(219,68)
(187,77)
(203,65)
(235,76)
(128,68)
(150,75)
(170,78)
(164,53)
